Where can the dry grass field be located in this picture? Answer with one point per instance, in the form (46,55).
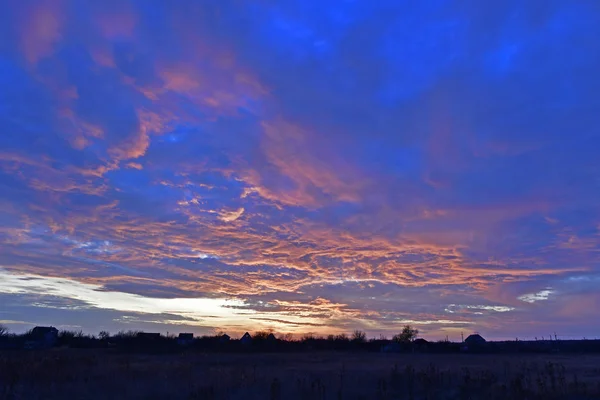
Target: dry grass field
(97,374)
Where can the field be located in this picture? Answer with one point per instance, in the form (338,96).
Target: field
(99,374)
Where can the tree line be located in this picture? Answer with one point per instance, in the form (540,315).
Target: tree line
(131,337)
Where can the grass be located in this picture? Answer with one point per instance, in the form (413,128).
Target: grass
(96,374)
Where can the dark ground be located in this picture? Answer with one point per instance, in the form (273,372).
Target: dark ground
(101,374)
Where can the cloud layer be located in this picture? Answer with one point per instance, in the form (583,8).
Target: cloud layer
(301,166)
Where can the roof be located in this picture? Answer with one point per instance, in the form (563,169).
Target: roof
(148,335)
(224,338)
(246,338)
(420,341)
(186,336)
(44,330)
(271,337)
(475,338)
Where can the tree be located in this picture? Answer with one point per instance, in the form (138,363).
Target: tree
(66,336)
(104,335)
(3,331)
(342,337)
(359,336)
(261,335)
(408,334)
(288,337)
(308,337)
(127,334)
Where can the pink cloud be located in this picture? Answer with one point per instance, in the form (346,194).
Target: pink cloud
(117,24)
(40,29)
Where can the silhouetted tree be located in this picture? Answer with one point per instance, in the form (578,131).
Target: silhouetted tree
(408,334)
(342,337)
(104,335)
(3,331)
(65,337)
(127,334)
(359,336)
(307,337)
(288,337)
(260,335)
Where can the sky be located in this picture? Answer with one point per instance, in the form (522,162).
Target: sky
(301,166)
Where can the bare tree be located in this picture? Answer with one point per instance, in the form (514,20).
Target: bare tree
(359,336)
(3,330)
(342,337)
(408,334)
(308,337)
(261,335)
(288,337)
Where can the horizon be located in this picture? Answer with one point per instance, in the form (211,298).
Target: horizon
(300,166)
(287,336)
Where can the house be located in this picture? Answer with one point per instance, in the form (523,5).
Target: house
(420,344)
(185,339)
(246,339)
(474,340)
(224,338)
(271,338)
(148,336)
(42,337)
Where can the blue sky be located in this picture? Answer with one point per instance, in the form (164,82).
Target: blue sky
(301,166)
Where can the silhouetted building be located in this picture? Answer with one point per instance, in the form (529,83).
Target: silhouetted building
(246,339)
(420,344)
(474,340)
(42,337)
(271,338)
(148,336)
(185,339)
(224,338)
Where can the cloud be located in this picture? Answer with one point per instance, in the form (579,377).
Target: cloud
(93,296)
(40,29)
(230,216)
(309,164)
(534,297)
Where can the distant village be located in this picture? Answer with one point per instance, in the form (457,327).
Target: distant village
(48,337)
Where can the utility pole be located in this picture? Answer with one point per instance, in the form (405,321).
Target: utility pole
(462,337)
